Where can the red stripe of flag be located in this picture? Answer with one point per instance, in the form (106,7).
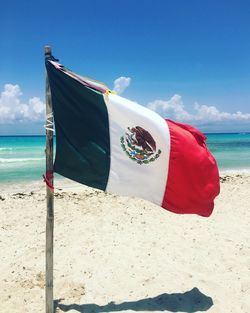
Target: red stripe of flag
(193,177)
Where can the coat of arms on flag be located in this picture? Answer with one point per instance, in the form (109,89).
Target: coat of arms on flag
(140,145)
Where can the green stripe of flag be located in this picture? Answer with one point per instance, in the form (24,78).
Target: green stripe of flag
(82,130)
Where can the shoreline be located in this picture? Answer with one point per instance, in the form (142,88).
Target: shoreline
(65,183)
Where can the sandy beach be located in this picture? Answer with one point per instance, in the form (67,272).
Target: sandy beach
(123,254)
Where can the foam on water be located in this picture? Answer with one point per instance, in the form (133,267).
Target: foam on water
(6,149)
(14,160)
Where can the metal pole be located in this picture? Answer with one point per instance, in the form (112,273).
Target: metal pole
(49,197)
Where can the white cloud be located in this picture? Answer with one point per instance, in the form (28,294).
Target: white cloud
(121,83)
(12,109)
(211,113)
(175,109)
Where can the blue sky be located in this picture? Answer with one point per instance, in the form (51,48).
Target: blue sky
(187,60)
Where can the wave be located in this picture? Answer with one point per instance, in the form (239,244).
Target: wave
(24,148)
(6,149)
(234,171)
(14,160)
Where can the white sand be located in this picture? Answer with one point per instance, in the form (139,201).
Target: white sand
(126,251)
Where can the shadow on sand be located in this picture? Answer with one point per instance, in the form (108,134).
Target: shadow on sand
(190,301)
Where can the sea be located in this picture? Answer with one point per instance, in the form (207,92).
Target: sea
(22,158)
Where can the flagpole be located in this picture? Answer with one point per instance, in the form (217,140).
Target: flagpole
(49,195)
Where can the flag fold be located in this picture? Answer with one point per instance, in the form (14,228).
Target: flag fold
(116,145)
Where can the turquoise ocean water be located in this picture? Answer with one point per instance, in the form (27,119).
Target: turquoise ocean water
(22,159)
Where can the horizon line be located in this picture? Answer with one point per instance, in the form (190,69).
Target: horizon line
(205,133)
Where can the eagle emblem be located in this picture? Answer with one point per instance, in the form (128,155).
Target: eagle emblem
(139,145)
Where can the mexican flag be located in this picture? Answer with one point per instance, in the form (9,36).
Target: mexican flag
(116,145)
